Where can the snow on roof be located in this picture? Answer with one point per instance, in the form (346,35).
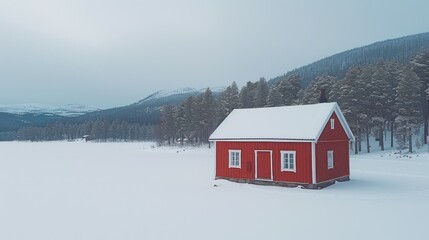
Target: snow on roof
(300,122)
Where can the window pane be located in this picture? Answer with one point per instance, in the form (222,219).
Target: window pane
(330,159)
(234,158)
(288,160)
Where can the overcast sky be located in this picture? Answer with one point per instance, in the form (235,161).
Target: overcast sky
(107,53)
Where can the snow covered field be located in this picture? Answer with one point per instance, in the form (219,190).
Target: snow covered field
(78,190)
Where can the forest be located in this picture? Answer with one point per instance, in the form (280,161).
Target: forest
(394,50)
(373,97)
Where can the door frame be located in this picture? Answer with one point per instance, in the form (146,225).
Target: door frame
(256,165)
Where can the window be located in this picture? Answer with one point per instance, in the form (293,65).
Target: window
(332,123)
(235,158)
(288,161)
(330,159)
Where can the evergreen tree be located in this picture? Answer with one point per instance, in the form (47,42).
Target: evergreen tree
(420,65)
(181,125)
(168,125)
(408,107)
(274,97)
(208,107)
(351,96)
(289,89)
(189,118)
(228,101)
(246,97)
(261,93)
(378,99)
(393,69)
(311,93)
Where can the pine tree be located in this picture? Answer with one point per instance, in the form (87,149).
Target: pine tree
(311,93)
(289,89)
(378,99)
(351,96)
(186,120)
(420,65)
(393,70)
(228,101)
(274,97)
(189,118)
(408,107)
(261,93)
(246,96)
(168,122)
(208,114)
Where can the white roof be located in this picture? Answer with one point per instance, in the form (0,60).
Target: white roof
(300,122)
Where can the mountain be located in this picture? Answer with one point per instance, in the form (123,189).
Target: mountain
(399,50)
(69,110)
(174,96)
(146,111)
(11,122)
(13,117)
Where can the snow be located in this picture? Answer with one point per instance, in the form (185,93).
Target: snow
(178,91)
(67,110)
(303,122)
(79,190)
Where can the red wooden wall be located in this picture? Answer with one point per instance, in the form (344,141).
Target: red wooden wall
(332,139)
(247,170)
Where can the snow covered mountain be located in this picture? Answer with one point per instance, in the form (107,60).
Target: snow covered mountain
(146,111)
(180,93)
(69,110)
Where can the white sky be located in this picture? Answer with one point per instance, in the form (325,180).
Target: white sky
(107,53)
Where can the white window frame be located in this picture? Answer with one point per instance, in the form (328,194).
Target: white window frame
(231,162)
(330,159)
(332,123)
(283,169)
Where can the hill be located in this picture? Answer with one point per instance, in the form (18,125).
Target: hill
(69,110)
(145,111)
(399,50)
(12,122)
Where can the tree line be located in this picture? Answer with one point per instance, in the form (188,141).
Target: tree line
(99,130)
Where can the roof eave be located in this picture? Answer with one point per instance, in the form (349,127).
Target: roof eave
(261,140)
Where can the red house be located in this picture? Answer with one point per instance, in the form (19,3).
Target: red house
(305,145)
